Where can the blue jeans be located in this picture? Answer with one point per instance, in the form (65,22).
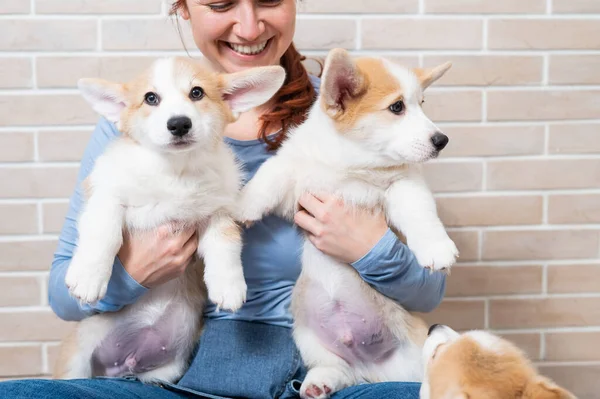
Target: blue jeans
(234,359)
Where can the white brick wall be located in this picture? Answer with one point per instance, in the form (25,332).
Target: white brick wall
(518,186)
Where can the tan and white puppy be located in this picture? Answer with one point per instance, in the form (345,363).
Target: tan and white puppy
(480,365)
(362,141)
(169,166)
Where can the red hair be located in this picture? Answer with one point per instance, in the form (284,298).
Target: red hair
(293,99)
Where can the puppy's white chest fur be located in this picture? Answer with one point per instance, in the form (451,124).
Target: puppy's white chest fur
(155,190)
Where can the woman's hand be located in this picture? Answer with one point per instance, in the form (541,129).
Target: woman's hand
(155,257)
(344,233)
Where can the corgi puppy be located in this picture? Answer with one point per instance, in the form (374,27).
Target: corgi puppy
(169,166)
(480,365)
(362,141)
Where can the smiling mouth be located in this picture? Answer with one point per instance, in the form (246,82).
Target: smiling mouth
(254,49)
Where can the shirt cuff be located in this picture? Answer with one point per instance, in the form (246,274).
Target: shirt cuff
(122,290)
(384,246)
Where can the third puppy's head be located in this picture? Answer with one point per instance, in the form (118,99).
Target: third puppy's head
(480,365)
(379,103)
(178,104)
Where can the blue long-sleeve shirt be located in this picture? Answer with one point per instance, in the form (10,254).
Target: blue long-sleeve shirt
(270,257)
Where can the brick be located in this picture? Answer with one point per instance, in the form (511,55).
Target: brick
(467,243)
(15,7)
(19,291)
(573,278)
(574,139)
(359,6)
(451,34)
(45,109)
(494,280)
(575,6)
(489,140)
(52,352)
(486,70)
(46,35)
(455,106)
(580,380)
(519,105)
(18,219)
(490,210)
(485,6)
(454,176)
(39,325)
(460,315)
(20,360)
(54,216)
(66,71)
(543,174)
(573,346)
(540,244)
(98,7)
(545,312)
(59,145)
(323,34)
(145,34)
(33,182)
(574,69)
(16,147)
(26,255)
(543,34)
(574,208)
(529,343)
(16,73)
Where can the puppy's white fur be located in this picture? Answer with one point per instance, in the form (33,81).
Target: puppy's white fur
(353,146)
(149,177)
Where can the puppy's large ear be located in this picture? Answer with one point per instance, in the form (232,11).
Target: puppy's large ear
(430,75)
(341,81)
(106,98)
(542,388)
(250,88)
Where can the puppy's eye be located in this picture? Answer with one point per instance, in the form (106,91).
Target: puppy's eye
(397,107)
(196,93)
(422,101)
(151,98)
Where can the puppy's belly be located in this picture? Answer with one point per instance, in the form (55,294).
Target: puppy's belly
(143,340)
(130,349)
(348,325)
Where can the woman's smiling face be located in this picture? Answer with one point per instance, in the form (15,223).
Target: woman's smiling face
(239,34)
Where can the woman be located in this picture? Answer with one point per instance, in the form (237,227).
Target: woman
(250,353)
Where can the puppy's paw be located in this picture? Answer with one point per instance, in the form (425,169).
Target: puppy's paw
(227,291)
(437,255)
(321,382)
(87,281)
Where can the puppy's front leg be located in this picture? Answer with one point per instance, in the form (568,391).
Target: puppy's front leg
(100,237)
(411,208)
(265,191)
(221,247)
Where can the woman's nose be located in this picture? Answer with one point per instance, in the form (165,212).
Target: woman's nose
(249,26)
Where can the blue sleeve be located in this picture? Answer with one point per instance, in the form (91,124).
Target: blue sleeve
(122,288)
(392,269)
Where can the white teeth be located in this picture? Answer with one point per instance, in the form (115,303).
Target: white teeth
(248,50)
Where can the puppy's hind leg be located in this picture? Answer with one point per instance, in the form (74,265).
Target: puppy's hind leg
(327,372)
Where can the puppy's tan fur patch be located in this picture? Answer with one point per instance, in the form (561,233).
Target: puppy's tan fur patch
(466,369)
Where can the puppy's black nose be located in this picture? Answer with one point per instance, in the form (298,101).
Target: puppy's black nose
(433,327)
(439,141)
(179,125)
